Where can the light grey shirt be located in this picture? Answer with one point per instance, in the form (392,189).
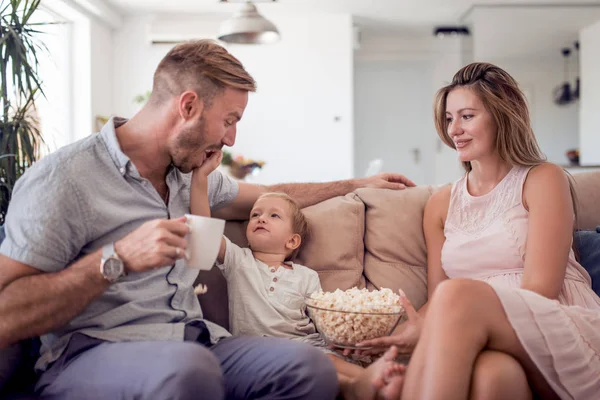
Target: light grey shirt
(264,301)
(86,195)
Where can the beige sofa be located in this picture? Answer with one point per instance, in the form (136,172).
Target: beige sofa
(369,238)
(373,238)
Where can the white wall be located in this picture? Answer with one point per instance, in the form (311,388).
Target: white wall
(520,32)
(393,119)
(299,121)
(530,50)
(457,52)
(392,116)
(81,87)
(101,70)
(556,127)
(134,61)
(590,95)
(396,79)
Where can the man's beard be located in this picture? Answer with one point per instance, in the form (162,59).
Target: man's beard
(188,147)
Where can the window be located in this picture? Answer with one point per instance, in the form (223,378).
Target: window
(55,109)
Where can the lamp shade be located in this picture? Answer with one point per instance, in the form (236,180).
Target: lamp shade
(247,26)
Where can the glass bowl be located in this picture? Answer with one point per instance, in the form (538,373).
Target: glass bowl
(344,329)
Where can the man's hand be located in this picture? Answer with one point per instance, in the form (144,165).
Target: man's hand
(155,244)
(386,180)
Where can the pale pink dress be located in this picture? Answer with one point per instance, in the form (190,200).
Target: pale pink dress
(485,240)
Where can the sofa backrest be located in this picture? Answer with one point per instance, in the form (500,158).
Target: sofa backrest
(587,187)
(372,238)
(395,253)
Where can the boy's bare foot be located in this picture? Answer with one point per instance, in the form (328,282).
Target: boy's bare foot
(382,379)
(390,386)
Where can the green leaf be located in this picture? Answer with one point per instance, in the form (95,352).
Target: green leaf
(20,138)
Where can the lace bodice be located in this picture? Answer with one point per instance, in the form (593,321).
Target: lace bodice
(487,235)
(471,214)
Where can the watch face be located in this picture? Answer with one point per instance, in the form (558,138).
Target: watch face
(113,268)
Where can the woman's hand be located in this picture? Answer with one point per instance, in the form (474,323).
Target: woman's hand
(404,337)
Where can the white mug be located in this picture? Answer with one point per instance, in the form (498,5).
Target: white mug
(204,241)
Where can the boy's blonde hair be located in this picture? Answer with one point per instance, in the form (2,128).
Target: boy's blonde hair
(299,223)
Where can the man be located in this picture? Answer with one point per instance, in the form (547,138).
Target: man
(92,260)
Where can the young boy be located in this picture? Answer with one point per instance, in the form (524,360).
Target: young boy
(267,290)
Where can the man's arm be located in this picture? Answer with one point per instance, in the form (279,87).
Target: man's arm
(307,194)
(33,302)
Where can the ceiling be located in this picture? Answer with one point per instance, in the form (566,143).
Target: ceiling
(409,12)
(510,33)
(503,27)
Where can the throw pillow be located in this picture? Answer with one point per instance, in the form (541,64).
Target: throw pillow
(588,247)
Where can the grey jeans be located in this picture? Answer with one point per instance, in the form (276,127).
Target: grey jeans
(234,368)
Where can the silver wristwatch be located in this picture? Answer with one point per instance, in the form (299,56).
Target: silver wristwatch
(111,267)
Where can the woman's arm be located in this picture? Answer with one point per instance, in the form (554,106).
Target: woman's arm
(434,220)
(547,197)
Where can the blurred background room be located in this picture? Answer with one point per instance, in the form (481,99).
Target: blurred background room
(345,87)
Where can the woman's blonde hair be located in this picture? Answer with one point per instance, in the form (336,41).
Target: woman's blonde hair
(501,96)
(299,223)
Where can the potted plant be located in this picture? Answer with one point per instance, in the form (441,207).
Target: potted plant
(20,84)
(239,166)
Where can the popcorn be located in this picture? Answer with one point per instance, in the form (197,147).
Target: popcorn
(348,317)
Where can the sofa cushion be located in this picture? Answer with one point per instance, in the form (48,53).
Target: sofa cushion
(395,253)
(334,248)
(588,249)
(587,187)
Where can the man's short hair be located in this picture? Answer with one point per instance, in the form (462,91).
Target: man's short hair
(203,66)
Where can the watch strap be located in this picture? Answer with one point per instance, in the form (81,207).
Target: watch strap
(108,250)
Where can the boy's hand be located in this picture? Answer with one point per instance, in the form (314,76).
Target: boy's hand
(210,164)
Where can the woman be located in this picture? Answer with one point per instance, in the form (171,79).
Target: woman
(526,317)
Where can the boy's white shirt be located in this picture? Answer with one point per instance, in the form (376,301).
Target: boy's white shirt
(257,310)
